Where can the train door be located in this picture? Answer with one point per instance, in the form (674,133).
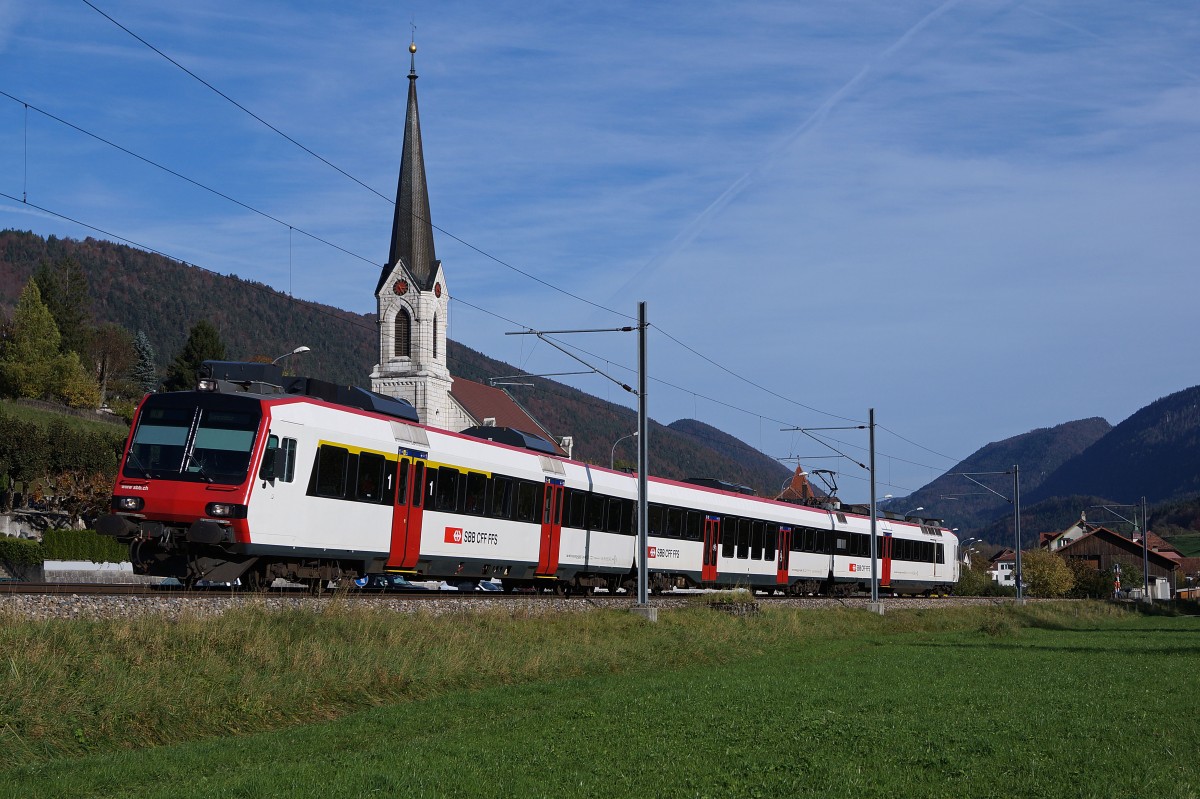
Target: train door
(783,553)
(552,506)
(712,535)
(406,514)
(885,562)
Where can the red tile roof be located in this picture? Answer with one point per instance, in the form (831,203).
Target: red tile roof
(488,402)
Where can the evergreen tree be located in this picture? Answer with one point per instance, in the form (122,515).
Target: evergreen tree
(30,362)
(29,355)
(145,372)
(65,292)
(203,344)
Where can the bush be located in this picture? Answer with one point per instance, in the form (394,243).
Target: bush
(83,545)
(21,551)
(977,582)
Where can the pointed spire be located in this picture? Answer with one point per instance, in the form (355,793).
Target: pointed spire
(412,228)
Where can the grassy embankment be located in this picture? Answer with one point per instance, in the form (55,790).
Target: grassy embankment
(1047,700)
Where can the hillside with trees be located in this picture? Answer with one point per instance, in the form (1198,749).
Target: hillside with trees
(1039,453)
(176,315)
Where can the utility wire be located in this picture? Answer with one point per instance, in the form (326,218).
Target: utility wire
(252,284)
(185,178)
(236,103)
(447,233)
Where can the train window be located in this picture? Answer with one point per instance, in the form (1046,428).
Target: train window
(769,542)
(548,506)
(431,478)
(743,538)
(576,508)
(842,544)
(674,523)
(418,481)
(656,520)
(527,501)
(941,553)
(615,521)
(595,512)
(331,471)
(629,517)
(476,493)
(279,461)
(728,537)
(447,488)
(694,526)
(368,486)
(756,540)
(402,487)
(501,497)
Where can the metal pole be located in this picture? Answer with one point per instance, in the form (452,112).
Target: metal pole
(643,464)
(874,521)
(1145,554)
(1017,529)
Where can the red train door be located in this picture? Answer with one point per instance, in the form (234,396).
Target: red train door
(552,507)
(885,564)
(712,535)
(406,514)
(783,555)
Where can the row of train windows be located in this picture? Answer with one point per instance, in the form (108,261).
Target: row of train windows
(365,477)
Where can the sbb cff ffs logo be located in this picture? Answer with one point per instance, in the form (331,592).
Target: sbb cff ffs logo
(454,535)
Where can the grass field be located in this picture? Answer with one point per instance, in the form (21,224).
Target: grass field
(1070,700)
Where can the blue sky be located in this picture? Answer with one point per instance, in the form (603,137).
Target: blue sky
(978,218)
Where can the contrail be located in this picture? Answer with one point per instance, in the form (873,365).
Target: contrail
(694,228)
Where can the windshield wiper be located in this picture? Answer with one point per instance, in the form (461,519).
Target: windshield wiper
(138,462)
(191,458)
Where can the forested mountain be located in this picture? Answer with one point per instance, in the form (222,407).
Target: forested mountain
(1155,454)
(145,292)
(1038,453)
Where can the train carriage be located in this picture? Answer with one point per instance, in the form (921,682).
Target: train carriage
(254,479)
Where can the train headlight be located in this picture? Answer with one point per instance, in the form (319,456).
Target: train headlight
(127,503)
(225,510)
(206,384)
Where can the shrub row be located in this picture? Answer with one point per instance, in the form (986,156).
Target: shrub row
(82,545)
(20,551)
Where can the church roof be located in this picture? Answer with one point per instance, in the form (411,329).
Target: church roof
(412,227)
(488,402)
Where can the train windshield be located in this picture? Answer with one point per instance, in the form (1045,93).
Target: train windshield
(195,437)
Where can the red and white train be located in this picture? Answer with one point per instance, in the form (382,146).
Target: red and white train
(252,477)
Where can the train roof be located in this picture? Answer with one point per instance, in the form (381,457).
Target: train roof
(267,379)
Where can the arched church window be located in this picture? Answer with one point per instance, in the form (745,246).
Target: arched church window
(435,336)
(403,336)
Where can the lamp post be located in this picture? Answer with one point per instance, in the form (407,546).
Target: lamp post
(612,459)
(296,351)
(914,510)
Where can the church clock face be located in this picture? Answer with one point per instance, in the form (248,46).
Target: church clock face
(437,290)
(400,288)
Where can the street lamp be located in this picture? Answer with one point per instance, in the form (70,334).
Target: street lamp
(914,510)
(612,458)
(296,351)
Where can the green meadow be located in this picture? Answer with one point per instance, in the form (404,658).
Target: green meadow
(1044,700)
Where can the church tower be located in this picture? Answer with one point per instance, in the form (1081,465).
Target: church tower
(413,301)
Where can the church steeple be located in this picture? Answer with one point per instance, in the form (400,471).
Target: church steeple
(412,295)
(412,227)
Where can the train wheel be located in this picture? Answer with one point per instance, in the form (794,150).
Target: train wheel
(254,581)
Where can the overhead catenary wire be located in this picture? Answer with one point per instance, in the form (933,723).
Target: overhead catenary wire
(458,239)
